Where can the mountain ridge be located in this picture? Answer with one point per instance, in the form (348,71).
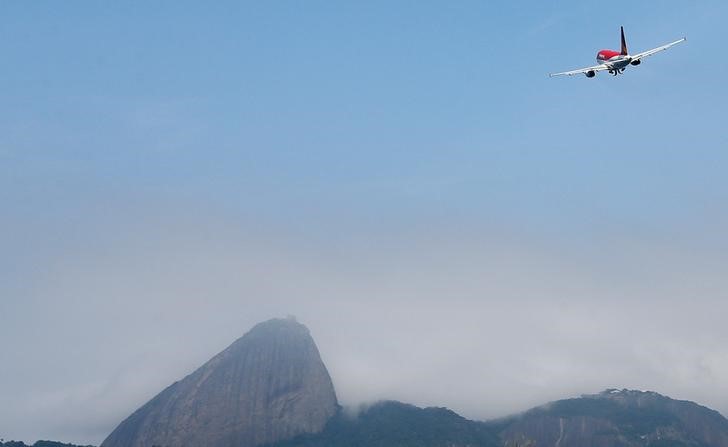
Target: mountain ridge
(397,424)
(271,388)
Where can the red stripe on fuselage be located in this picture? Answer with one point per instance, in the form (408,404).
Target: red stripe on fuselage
(605,55)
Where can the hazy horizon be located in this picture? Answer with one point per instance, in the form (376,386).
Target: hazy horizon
(454,227)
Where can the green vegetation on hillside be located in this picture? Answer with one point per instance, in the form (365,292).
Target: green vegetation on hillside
(632,421)
(624,418)
(394,424)
(38,444)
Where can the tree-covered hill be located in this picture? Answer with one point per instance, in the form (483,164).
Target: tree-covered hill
(618,418)
(37,444)
(390,424)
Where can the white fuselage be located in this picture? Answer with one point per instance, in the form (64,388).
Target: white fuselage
(617,62)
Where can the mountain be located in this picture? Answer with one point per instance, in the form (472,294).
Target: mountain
(271,388)
(394,424)
(617,418)
(269,385)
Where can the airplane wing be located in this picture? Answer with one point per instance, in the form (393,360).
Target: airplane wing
(581,70)
(639,56)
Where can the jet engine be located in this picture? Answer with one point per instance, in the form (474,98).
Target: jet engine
(590,73)
(635,63)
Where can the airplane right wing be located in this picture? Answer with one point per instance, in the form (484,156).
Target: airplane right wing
(595,68)
(639,56)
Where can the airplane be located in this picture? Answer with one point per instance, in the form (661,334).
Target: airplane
(615,62)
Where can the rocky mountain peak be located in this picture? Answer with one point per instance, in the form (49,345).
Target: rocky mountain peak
(267,386)
(626,395)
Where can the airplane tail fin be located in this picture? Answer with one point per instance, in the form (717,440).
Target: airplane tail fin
(624,43)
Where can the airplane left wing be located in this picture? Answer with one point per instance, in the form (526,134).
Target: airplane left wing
(639,56)
(581,70)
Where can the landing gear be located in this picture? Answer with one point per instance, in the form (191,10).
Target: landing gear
(616,71)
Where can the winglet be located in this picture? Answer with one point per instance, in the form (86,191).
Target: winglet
(624,43)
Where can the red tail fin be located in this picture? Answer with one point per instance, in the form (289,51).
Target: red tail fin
(624,43)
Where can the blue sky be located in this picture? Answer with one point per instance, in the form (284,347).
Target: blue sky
(361,106)
(342,134)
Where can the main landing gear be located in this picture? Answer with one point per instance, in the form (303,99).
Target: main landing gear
(616,71)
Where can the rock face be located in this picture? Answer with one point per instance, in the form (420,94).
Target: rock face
(270,385)
(617,418)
